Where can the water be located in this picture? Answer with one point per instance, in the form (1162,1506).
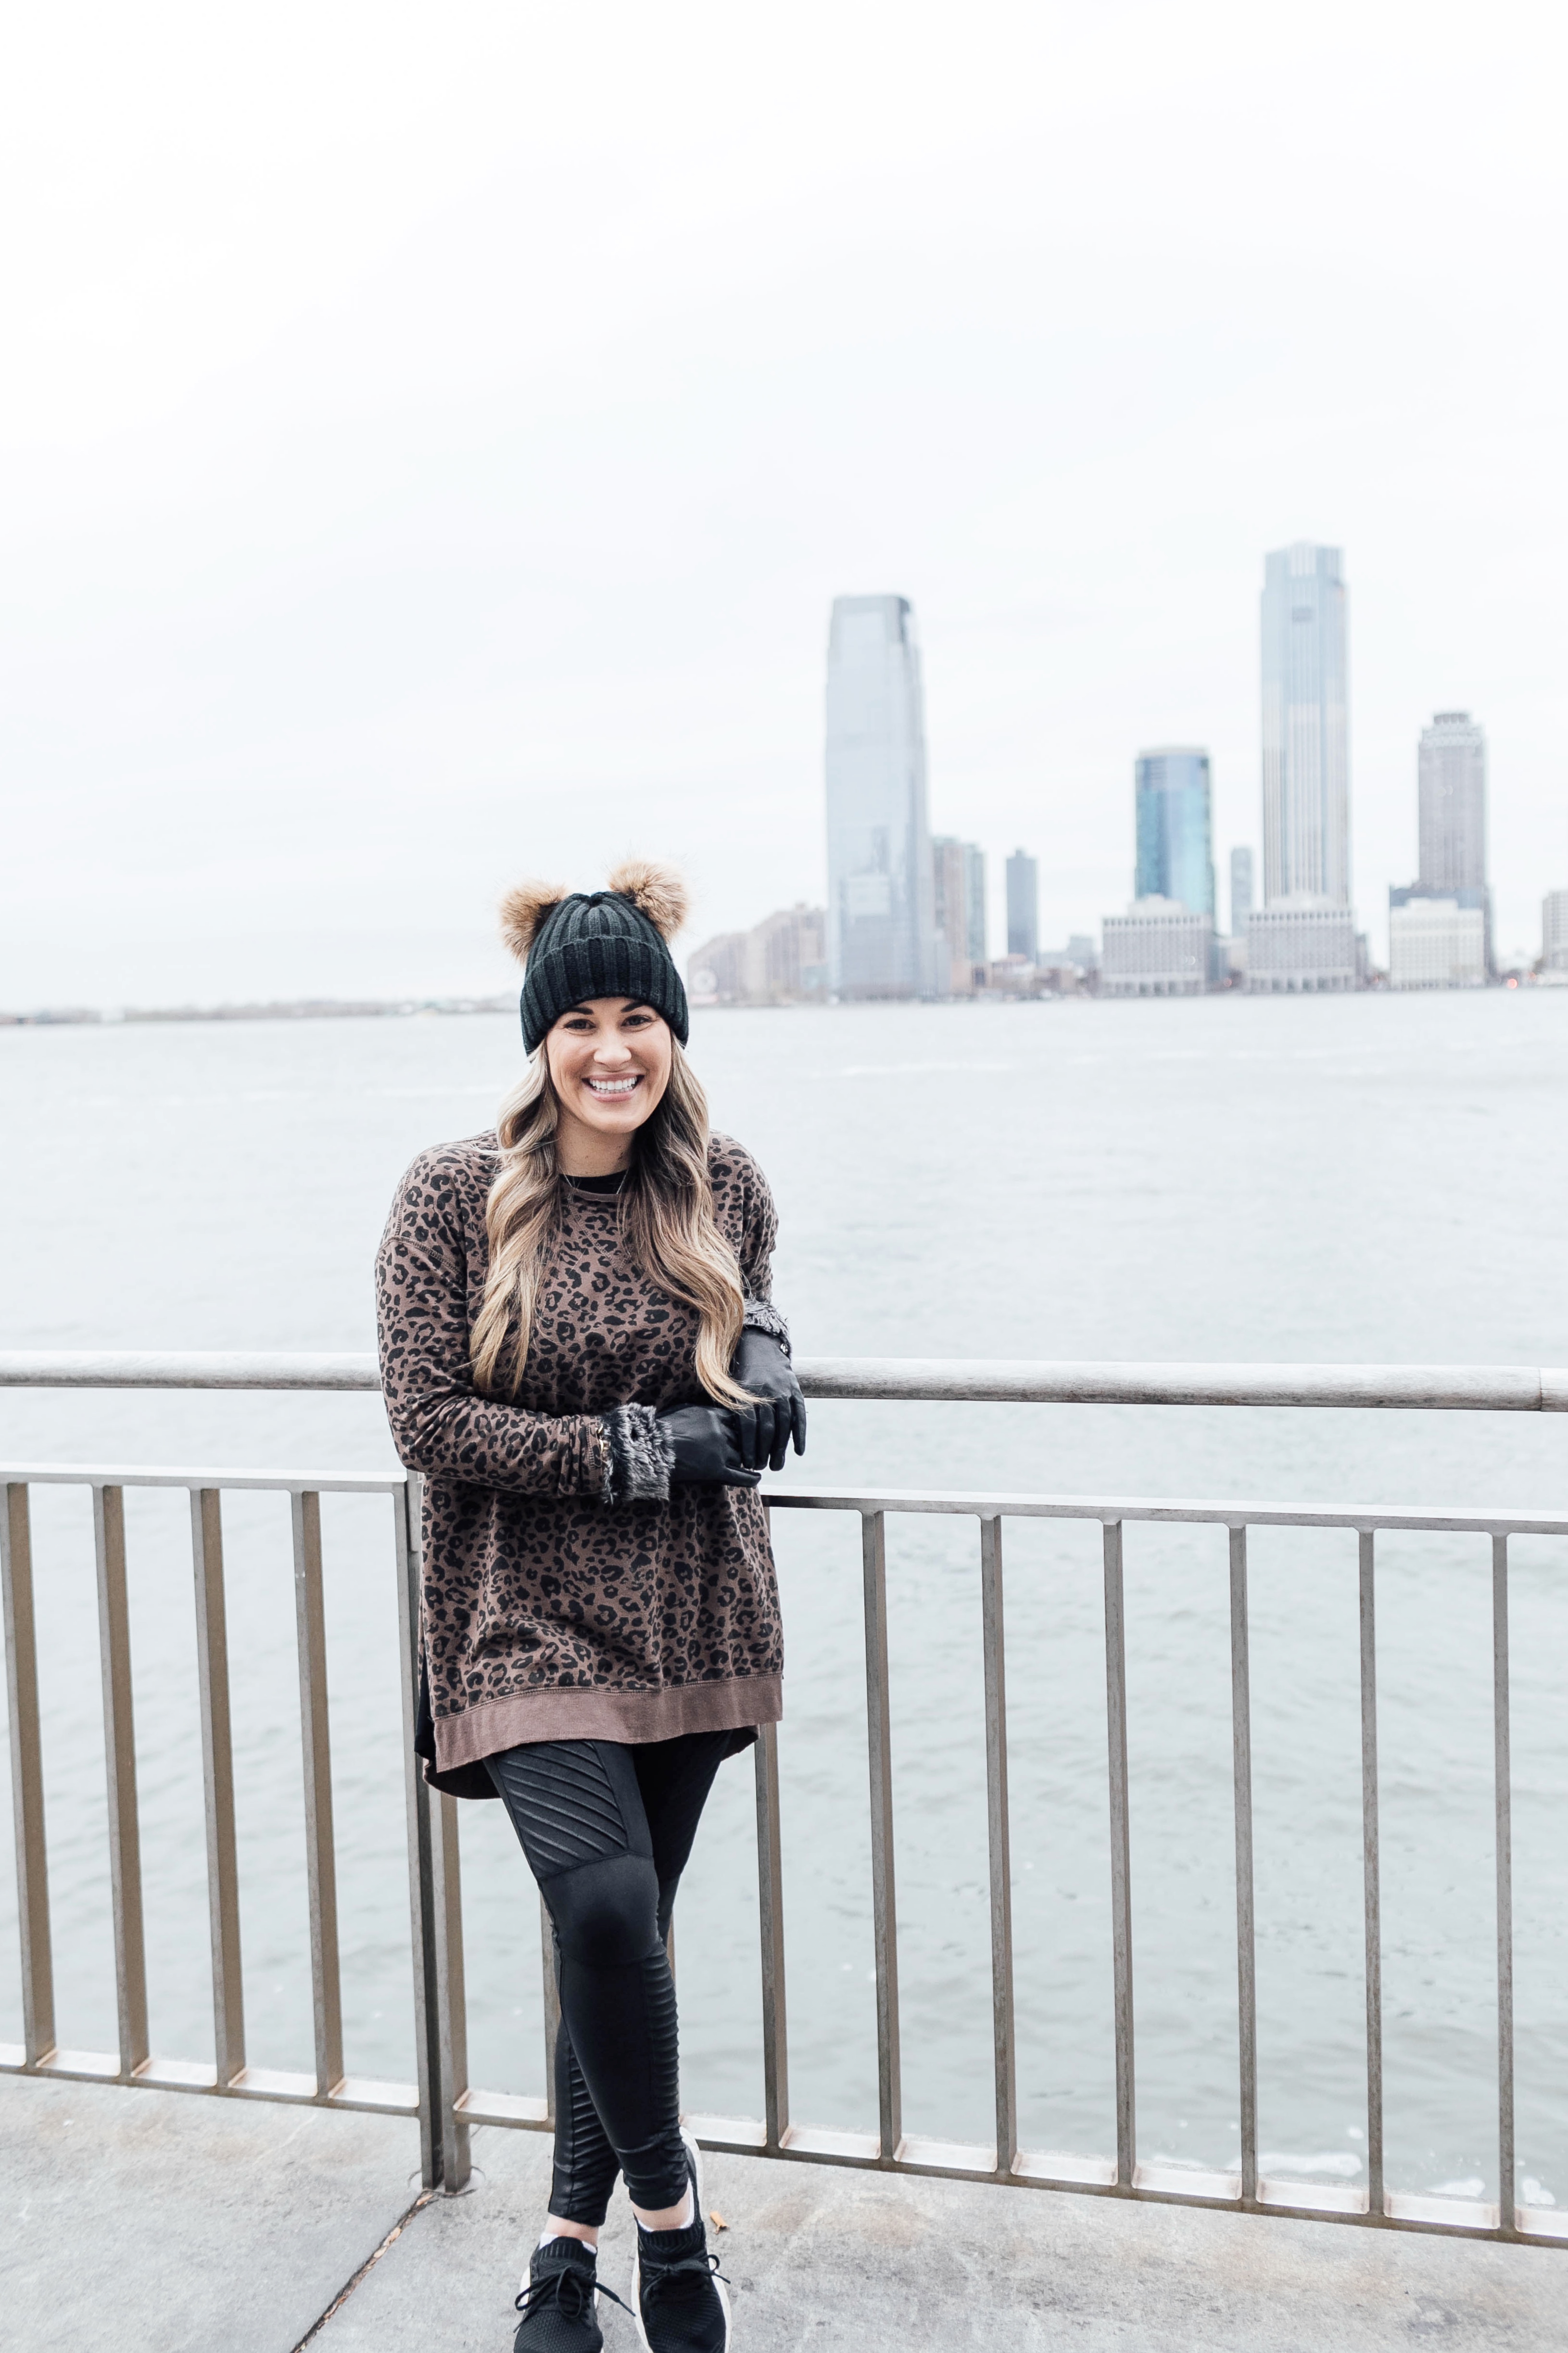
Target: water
(1362,1178)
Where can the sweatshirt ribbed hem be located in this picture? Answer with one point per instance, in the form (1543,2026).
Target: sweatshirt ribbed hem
(632,1717)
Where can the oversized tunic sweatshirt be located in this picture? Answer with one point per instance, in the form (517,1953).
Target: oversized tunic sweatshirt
(569,1591)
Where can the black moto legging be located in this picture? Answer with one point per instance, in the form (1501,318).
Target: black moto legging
(607,1828)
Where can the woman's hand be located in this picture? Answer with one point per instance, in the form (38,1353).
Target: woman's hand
(761,1364)
(706,1443)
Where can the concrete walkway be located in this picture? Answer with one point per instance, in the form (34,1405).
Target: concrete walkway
(153,2223)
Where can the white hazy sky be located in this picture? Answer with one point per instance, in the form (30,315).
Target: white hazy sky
(433,438)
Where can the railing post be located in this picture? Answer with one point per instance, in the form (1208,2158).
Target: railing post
(769,1914)
(26,1777)
(407,1505)
(439,1988)
(451,1994)
(1246,1921)
(217,1776)
(551,1989)
(120,1769)
(315,1741)
(1121,1856)
(884,1906)
(1372,1906)
(998,1841)
(1507,2215)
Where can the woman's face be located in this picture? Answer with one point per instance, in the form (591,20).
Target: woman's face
(609,1058)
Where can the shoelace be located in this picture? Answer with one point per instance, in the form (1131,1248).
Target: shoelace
(657,2275)
(555,2282)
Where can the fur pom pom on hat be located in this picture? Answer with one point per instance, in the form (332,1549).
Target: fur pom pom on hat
(612,943)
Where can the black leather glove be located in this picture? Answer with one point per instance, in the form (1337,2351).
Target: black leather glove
(761,1364)
(706,1443)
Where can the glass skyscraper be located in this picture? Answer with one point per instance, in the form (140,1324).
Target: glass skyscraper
(881,935)
(1306,727)
(1023,905)
(1172,799)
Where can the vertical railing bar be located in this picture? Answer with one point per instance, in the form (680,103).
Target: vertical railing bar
(884,1907)
(1370,1875)
(1246,1919)
(119,1772)
(451,1994)
(769,1914)
(26,1777)
(441,1930)
(998,1841)
(315,1742)
(1121,1855)
(218,1777)
(406,1507)
(552,2006)
(1501,1736)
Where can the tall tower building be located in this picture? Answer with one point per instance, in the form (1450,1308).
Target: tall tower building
(880,929)
(1452,789)
(1306,727)
(1023,906)
(1172,803)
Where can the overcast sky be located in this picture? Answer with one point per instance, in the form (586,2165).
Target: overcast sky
(433,438)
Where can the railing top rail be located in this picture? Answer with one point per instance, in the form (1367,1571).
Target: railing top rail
(978,1504)
(1464,1519)
(287,1482)
(1476,1388)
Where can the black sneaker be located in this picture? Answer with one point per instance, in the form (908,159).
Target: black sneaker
(678,2296)
(558,2304)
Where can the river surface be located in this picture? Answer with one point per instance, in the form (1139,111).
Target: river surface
(1366,1177)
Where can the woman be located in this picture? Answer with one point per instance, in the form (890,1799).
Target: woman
(579,1353)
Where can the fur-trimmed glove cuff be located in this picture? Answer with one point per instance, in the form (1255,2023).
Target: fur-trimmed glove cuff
(762,1316)
(640,1456)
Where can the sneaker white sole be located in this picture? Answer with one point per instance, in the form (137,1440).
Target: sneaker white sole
(695,2155)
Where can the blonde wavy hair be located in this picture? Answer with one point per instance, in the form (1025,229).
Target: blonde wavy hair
(665,1204)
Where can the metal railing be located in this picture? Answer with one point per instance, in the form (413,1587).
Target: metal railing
(441,2098)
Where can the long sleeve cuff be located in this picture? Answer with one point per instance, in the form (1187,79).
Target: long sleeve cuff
(638,1456)
(762,1316)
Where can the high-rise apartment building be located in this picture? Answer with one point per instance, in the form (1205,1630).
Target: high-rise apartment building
(958,895)
(1554,930)
(1172,804)
(1023,906)
(1306,727)
(1243,898)
(1452,792)
(1451,799)
(881,932)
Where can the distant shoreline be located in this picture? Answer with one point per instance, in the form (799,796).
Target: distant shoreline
(304,1009)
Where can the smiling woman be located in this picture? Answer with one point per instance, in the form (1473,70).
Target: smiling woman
(580,1352)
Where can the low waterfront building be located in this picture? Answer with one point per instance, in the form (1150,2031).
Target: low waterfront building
(1436,940)
(1159,948)
(1554,931)
(1300,945)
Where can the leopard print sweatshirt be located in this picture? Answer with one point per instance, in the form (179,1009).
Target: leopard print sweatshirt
(570,1592)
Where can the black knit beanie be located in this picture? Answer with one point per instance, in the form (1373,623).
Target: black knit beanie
(598,944)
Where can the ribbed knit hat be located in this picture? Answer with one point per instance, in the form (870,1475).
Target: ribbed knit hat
(585,944)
